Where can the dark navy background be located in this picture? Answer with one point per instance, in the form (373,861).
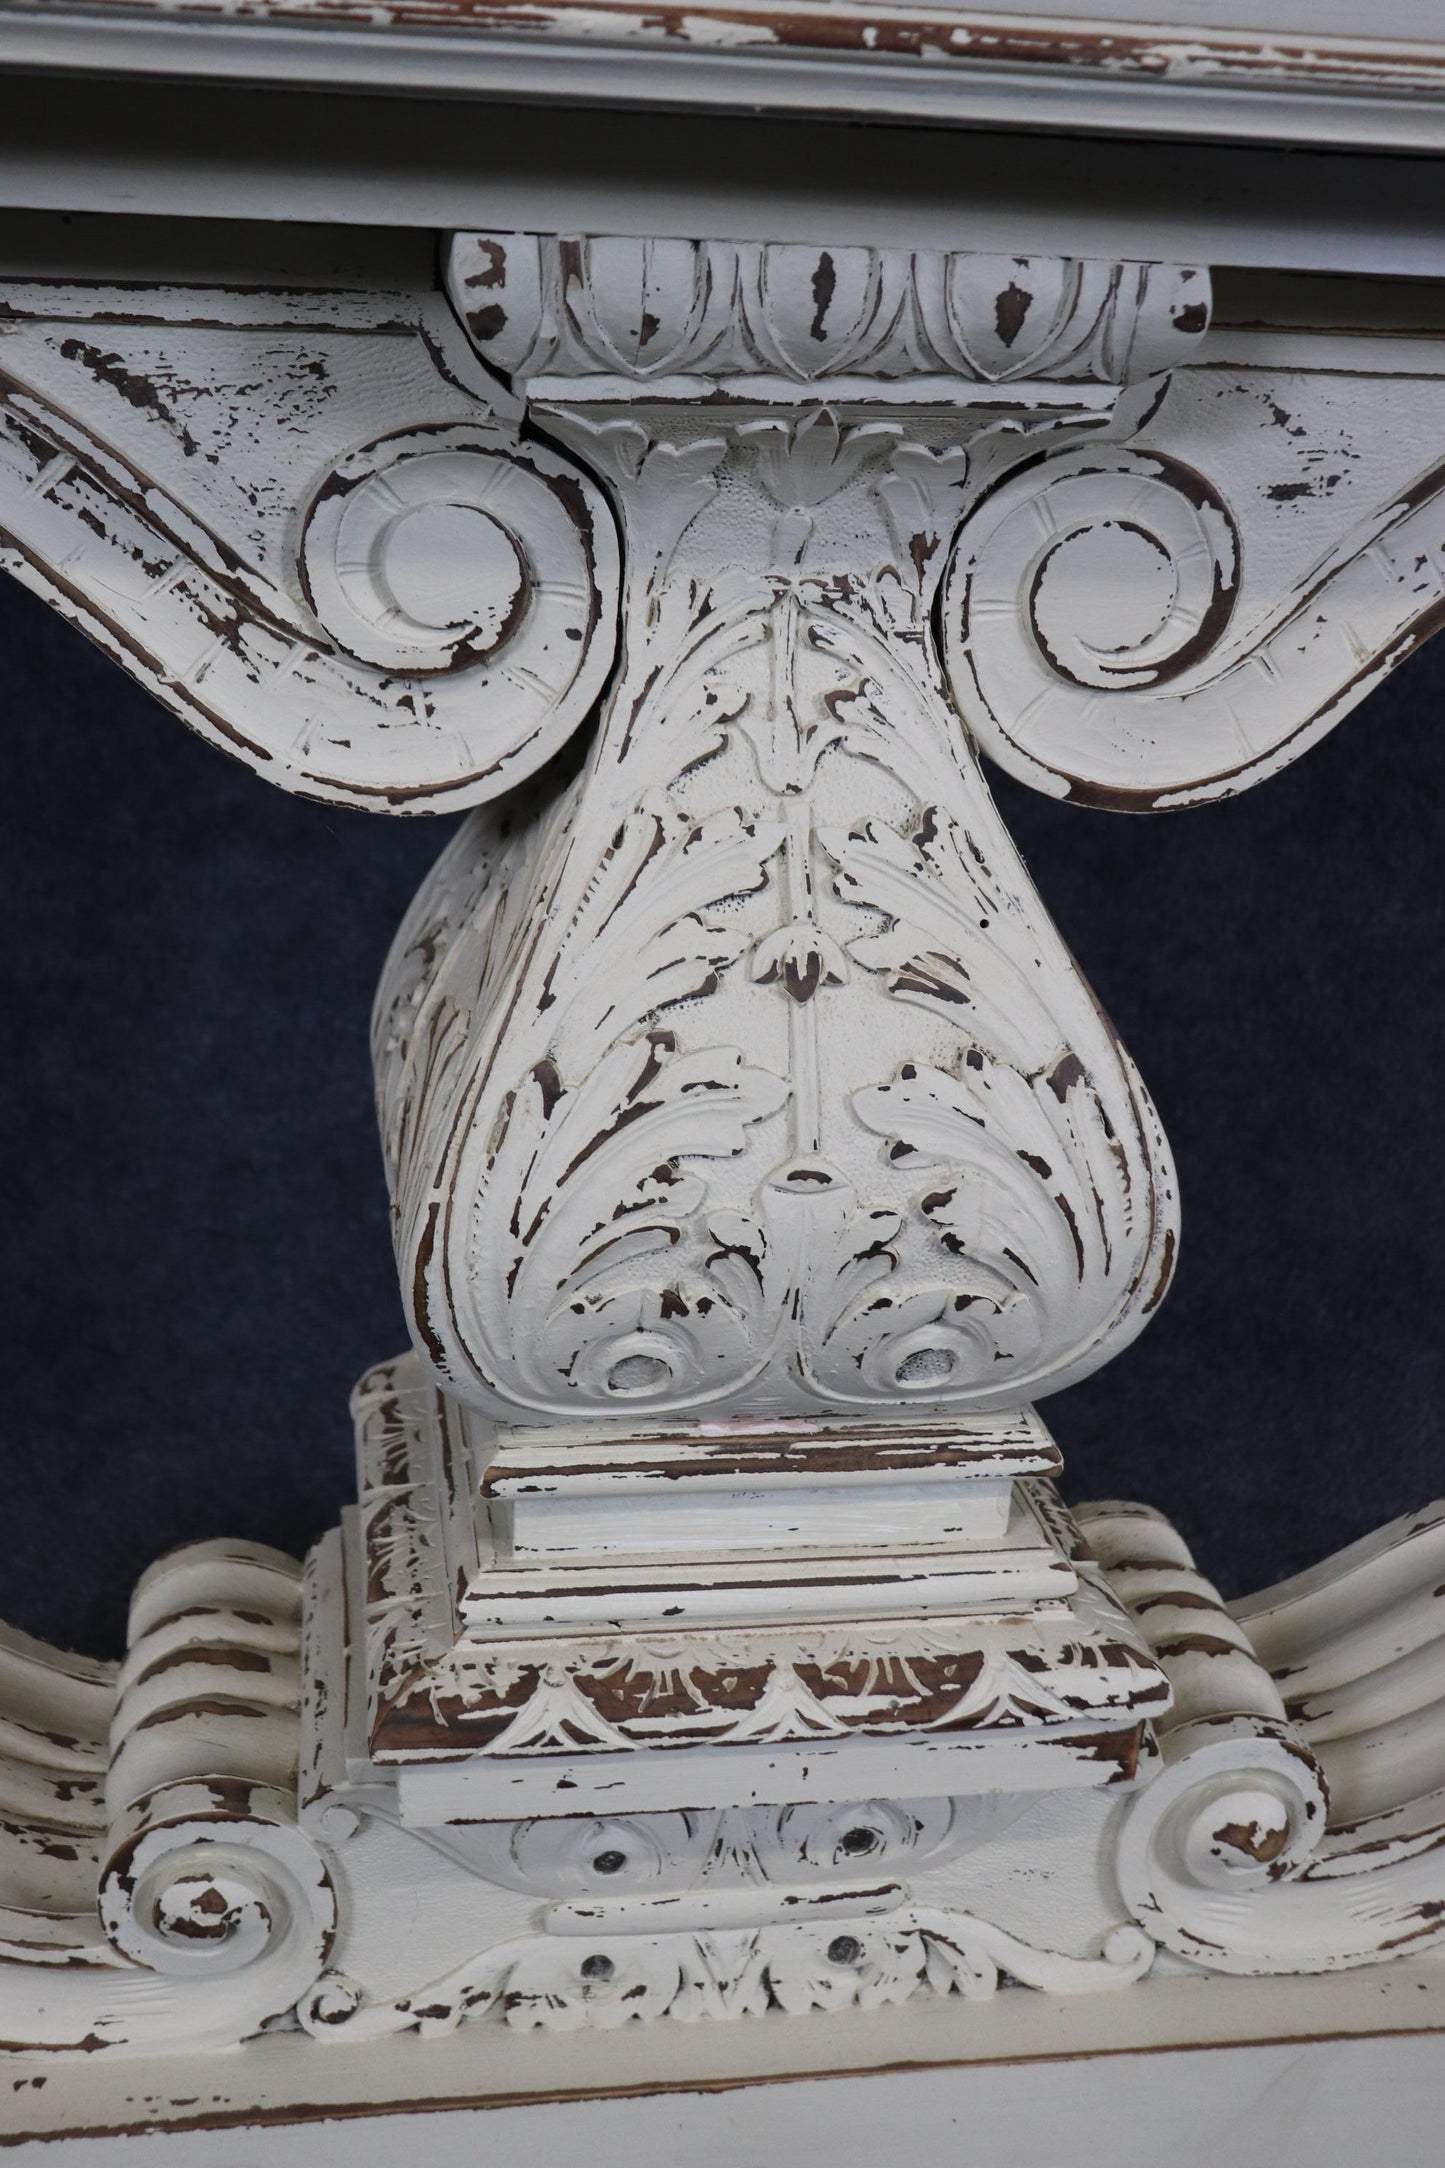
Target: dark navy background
(193,1244)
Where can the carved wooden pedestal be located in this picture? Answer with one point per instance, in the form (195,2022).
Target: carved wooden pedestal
(710,1639)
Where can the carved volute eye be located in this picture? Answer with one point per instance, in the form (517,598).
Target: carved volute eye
(609,1862)
(639,1374)
(924,1366)
(458,553)
(597,1968)
(417,553)
(856,1843)
(447,570)
(636,1367)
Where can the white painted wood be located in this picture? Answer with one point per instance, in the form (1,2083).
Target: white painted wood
(1254,1851)
(1327,2071)
(1247,571)
(568,1586)
(776,783)
(709,1641)
(188,154)
(1395,19)
(274,605)
(833,1517)
(195,1910)
(714,1488)
(1306,70)
(493,1788)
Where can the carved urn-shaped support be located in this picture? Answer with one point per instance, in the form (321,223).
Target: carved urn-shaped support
(710,1638)
(752,1080)
(757,1150)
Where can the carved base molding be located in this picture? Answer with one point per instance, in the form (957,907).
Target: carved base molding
(202,1844)
(1335,2070)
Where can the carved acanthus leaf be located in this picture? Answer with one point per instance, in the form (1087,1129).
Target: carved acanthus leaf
(591,1213)
(852,1961)
(589,1149)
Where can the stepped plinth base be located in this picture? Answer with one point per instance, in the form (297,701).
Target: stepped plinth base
(392,1793)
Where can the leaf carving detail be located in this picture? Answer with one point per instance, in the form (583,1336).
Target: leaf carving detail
(586,1182)
(952,1213)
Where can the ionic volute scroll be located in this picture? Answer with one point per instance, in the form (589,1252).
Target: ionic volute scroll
(754,1076)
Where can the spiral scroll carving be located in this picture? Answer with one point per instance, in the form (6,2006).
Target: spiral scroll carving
(447,551)
(1100,572)
(1255,1848)
(210,1881)
(207,1881)
(1241,1803)
(331,553)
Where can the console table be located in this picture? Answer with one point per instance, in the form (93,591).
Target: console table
(710,1734)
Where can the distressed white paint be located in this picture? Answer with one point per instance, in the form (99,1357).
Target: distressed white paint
(836,1771)
(710,1640)
(1301,70)
(70,147)
(1316,2073)
(758,1080)
(218,487)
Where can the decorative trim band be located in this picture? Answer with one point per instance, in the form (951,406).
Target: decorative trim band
(925,65)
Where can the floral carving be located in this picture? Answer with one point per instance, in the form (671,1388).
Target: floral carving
(589,1147)
(977,1210)
(563,1985)
(762,1080)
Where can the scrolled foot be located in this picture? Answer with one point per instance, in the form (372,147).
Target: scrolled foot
(1298,1820)
(155,1889)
